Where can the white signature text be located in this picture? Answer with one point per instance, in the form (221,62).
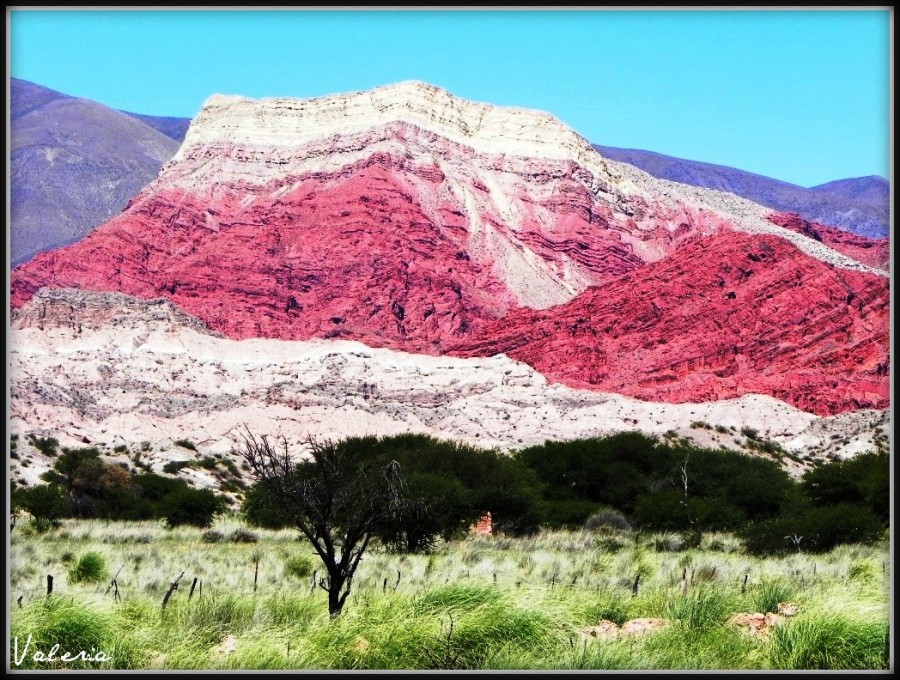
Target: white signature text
(95,655)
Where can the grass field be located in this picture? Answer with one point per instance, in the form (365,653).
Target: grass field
(480,603)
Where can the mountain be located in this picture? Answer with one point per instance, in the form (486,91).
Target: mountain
(174,128)
(872,190)
(90,186)
(874,252)
(74,164)
(861,205)
(407,219)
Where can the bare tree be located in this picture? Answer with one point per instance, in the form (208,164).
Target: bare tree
(683,471)
(336,498)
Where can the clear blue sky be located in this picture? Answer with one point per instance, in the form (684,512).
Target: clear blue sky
(802,96)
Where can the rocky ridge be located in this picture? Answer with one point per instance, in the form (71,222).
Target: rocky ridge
(105,368)
(725,316)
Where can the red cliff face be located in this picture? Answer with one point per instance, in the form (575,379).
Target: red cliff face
(408,219)
(386,250)
(875,252)
(354,260)
(351,255)
(730,315)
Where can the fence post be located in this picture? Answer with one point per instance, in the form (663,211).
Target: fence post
(113,584)
(172,589)
(49,584)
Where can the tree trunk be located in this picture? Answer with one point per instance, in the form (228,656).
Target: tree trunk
(335,601)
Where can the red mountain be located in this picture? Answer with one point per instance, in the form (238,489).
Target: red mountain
(729,315)
(875,252)
(407,218)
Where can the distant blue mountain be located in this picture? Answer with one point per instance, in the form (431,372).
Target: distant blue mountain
(859,205)
(74,164)
(175,128)
(872,190)
(26,96)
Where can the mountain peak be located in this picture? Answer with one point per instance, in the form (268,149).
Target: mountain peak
(294,122)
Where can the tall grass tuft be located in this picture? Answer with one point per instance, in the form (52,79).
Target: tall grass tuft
(609,606)
(701,607)
(828,642)
(498,624)
(90,568)
(457,597)
(75,628)
(767,594)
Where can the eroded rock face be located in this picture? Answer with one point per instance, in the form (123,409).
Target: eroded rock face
(406,218)
(112,369)
(729,315)
(875,252)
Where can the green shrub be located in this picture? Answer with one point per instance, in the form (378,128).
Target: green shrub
(185,444)
(37,526)
(863,480)
(46,445)
(607,518)
(243,536)
(750,433)
(569,513)
(194,507)
(212,536)
(90,568)
(260,509)
(46,503)
(233,485)
(299,566)
(174,466)
(819,530)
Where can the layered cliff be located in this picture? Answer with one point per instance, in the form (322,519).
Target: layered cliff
(875,252)
(725,316)
(109,369)
(407,218)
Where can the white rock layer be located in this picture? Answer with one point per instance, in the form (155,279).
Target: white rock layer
(119,370)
